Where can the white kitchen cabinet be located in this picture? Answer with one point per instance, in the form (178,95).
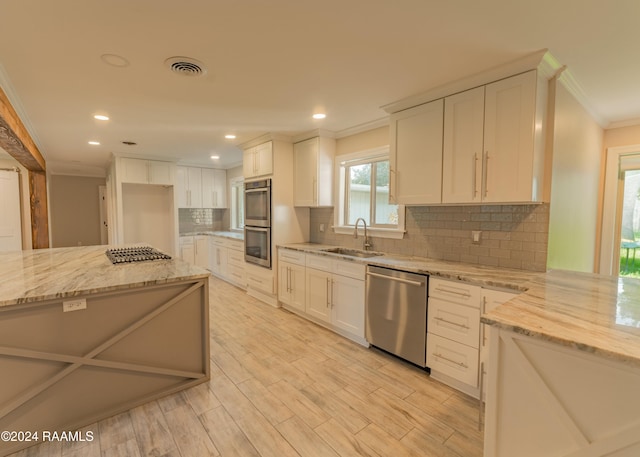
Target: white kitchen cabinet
(335,294)
(463,147)
(260,281)
(201,248)
(258,160)
(313,172)
(187,249)
(235,263)
(291,279)
(139,171)
(416,155)
(348,304)
(217,256)
(189,187)
(490,299)
(214,188)
(512,162)
(453,328)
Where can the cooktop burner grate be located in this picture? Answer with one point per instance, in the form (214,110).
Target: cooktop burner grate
(135,254)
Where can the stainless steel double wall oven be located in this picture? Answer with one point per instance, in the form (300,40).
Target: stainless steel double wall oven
(257,222)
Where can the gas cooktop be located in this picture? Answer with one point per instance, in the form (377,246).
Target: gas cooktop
(135,254)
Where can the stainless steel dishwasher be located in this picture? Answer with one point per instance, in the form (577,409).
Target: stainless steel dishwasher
(396,313)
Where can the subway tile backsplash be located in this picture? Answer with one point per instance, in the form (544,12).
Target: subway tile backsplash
(513,236)
(201,219)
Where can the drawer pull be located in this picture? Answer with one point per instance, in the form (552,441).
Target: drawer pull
(460,364)
(466,327)
(454,292)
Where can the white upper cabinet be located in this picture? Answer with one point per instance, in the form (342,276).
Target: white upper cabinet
(139,171)
(463,147)
(214,188)
(416,155)
(313,172)
(189,187)
(258,160)
(512,159)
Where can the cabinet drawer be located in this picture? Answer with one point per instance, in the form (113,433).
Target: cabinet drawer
(452,359)
(294,257)
(186,240)
(455,291)
(235,258)
(217,241)
(237,275)
(259,280)
(319,262)
(349,269)
(235,245)
(457,322)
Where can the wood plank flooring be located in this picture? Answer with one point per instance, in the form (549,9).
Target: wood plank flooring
(282,386)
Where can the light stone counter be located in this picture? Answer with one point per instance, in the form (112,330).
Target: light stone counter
(43,274)
(592,313)
(222,233)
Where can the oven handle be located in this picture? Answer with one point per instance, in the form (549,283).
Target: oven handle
(258,189)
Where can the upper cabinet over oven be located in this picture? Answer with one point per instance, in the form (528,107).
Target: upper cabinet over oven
(480,145)
(258,160)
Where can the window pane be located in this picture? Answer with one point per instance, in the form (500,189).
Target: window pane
(386,214)
(359,195)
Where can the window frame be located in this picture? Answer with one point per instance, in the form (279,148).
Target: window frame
(342,194)
(236,187)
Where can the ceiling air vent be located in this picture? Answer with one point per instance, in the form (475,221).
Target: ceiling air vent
(185,66)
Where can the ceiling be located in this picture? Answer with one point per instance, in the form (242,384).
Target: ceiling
(271,64)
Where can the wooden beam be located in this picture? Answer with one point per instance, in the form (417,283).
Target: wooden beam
(39,209)
(15,139)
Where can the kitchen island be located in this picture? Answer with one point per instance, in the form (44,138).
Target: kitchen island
(82,339)
(564,373)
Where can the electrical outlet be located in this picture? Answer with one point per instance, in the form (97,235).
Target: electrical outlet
(475,236)
(321,227)
(74,305)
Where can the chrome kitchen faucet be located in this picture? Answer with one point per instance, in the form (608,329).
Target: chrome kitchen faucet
(366,244)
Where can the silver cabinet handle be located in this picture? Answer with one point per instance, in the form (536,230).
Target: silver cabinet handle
(328,292)
(475,171)
(483,326)
(480,399)
(392,278)
(486,173)
(466,327)
(454,292)
(332,294)
(460,364)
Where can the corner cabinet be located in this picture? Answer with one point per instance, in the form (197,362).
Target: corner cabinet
(313,172)
(416,155)
(258,160)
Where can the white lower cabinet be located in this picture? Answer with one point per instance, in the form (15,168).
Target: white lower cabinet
(226,260)
(326,290)
(201,254)
(453,332)
(187,249)
(217,256)
(291,279)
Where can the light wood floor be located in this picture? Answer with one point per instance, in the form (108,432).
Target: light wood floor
(282,386)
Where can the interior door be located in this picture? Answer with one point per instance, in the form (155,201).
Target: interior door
(10,225)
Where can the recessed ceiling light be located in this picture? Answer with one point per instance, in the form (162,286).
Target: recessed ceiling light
(230,137)
(215,157)
(94,143)
(319,116)
(114,60)
(101,117)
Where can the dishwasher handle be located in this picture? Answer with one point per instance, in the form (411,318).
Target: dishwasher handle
(393,278)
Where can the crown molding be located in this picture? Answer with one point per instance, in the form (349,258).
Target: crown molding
(521,65)
(568,81)
(626,123)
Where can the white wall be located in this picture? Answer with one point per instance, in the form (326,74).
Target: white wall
(573,218)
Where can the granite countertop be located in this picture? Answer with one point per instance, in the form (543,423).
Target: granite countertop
(43,274)
(590,312)
(223,233)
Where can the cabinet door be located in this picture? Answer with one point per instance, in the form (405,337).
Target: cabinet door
(416,154)
(249,163)
(195,187)
(134,171)
(264,159)
(201,244)
(463,147)
(208,186)
(220,189)
(509,139)
(284,279)
(160,172)
(182,191)
(348,305)
(305,173)
(298,287)
(318,294)
(187,253)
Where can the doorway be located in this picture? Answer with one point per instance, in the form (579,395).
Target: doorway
(620,244)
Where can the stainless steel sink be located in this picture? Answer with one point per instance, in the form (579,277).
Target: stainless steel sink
(353,252)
